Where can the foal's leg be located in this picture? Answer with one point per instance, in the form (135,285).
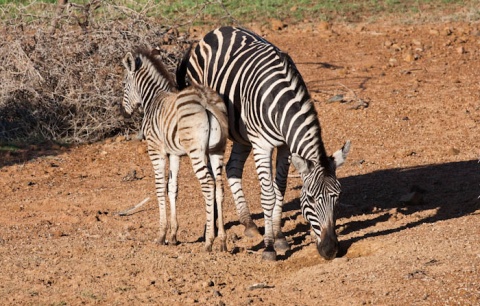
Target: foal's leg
(216,162)
(158,161)
(200,167)
(172,196)
(234,174)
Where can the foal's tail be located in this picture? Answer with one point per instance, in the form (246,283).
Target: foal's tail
(218,118)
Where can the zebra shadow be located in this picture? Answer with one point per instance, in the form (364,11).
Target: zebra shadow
(446,191)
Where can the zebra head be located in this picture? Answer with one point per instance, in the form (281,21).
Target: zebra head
(132,98)
(319,197)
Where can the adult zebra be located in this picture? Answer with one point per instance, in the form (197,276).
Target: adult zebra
(193,122)
(269,106)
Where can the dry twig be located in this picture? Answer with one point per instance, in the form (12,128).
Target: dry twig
(131,209)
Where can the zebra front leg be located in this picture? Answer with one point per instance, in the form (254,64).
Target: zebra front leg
(172,196)
(216,161)
(282,166)
(158,162)
(263,164)
(234,174)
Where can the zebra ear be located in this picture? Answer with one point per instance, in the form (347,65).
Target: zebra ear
(340,156)
(304,166)
(129,62)
(156,52)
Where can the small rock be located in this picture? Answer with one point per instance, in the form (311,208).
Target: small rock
(276,24)
(447,31)
(57,234)
(396,47)
(360,28)
(209,283)
(409,57)
(453,151)
(460,50)
(434,32)
(323,26)
(141,149)
(120,138)
(416,42)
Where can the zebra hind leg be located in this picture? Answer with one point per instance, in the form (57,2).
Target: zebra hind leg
(172,196)
(203,175)
(216,161)
(234,174)
(158,162)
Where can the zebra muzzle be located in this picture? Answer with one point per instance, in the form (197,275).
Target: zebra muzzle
(327,247)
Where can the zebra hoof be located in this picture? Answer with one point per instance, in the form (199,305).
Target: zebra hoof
(173,241)
(269,255)
(208,248)
(251,231)
(281,245)
(161,241)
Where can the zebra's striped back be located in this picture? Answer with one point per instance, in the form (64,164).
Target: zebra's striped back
(269,106)
(192,121)
(262,88)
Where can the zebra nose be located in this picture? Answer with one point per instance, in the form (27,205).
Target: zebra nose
(327,247)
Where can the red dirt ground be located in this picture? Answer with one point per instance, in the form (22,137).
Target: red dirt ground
(62,244)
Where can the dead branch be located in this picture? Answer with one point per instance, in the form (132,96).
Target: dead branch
(130,210)
(58,15)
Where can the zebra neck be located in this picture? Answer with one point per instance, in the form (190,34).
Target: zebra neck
(154,85)
(156,102)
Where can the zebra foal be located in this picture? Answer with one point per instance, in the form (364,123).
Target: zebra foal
(190,122)
(269,107)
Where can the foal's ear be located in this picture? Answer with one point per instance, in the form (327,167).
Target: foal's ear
(340,156)
(304,166)
(156,52)
(129,62)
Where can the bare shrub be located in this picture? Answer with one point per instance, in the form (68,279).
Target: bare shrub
(61,75)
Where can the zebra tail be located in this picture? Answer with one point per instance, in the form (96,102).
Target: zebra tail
(181,73)
(219,112)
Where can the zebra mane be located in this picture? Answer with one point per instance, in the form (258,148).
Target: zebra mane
(153,56)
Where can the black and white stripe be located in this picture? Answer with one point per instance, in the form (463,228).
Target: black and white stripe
(191,122)
(269,107)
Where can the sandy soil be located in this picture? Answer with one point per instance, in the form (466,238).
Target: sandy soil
(62,244)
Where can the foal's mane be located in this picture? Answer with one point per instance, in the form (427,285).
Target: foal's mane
(153,56)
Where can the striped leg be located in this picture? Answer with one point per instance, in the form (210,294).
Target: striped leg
(172,196)
(158,161)
(234,174)
(200,167)
(283,163)
(216,161)
(263,164)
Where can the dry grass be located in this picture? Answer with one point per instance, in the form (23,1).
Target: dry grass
(64,83)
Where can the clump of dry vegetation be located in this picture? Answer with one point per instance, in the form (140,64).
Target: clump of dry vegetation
(61,73)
